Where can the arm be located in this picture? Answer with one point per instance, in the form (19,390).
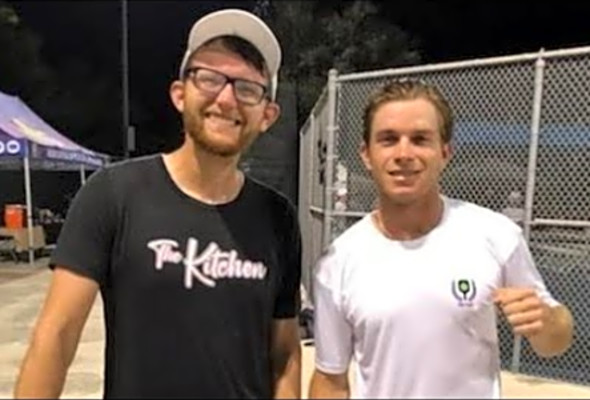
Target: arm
(530,308)
(549,329)
(56,335)
(329,386)
(333,333)
(285,350)
(556,334)
(81,261)
(286,359)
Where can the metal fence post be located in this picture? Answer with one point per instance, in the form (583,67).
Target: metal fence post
(330,146)
(530,183)
(305,192)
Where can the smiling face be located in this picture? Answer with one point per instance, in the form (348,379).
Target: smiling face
(218,123)
(404,151)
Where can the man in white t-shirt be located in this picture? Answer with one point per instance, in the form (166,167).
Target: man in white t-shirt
(410,291)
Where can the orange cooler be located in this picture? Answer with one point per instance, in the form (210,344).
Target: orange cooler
(14,216)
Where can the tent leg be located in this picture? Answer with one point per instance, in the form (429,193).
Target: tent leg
(82,175)
(29,209)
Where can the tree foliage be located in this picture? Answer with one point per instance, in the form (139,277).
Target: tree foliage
(75,99)
(350,37)
(21,68)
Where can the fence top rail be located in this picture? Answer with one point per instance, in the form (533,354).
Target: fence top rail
(478,62)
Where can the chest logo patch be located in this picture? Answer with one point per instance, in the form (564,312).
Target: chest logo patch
(207,266)
(464,290)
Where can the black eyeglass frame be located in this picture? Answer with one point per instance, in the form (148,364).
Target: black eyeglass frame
(191,73)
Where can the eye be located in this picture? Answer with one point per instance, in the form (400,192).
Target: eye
(248,90)
(209,79)
(419,139)
(387,139)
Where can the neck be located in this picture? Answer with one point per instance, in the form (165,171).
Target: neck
(408,221)
(204,176)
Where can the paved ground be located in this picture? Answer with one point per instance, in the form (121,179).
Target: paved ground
(11,271)
(22,290)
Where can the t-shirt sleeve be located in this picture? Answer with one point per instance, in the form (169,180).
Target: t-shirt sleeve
(520,271)
(85,241)
(287,303)
(333,334)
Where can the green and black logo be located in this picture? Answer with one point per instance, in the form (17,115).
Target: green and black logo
(464,290)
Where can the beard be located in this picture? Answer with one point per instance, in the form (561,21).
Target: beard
(194,126)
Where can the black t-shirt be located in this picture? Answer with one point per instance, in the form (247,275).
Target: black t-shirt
(190,290)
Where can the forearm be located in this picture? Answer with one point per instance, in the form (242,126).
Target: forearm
(44,368)
(287,375)
(325,387)
(556,336)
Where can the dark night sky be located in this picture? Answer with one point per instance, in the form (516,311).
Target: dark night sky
(445,31)
(457,30)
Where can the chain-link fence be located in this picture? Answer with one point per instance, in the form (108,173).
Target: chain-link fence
(521,147)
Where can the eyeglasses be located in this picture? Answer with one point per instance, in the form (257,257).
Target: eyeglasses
(212,83)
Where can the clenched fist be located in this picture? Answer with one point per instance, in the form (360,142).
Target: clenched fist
(524,310)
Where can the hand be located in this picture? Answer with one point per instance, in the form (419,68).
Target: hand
(525,311)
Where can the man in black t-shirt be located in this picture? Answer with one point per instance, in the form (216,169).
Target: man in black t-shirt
(198,265)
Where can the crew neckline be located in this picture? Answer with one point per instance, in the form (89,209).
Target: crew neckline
(410,242)
(187,198)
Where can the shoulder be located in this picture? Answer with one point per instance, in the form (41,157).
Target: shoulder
(270,197)
(122,176)
(357,233)
(339,255)
(474,214)
(107,187)
(475,222)
(123,171)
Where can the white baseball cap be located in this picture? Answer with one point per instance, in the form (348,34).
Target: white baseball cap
(240,23)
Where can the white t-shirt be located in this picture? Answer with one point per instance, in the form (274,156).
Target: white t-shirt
(417,316)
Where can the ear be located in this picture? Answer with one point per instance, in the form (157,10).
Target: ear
(272,111)
(447,153)
(177,93)
(364,152)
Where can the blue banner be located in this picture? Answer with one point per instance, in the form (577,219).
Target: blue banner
(76,157)
(10,146)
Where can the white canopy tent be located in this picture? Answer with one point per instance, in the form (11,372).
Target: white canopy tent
(28,142)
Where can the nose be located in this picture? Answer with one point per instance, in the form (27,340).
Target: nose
(404,149)
(226,97)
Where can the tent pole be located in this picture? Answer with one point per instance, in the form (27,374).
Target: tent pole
(29,208)
(82,175)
